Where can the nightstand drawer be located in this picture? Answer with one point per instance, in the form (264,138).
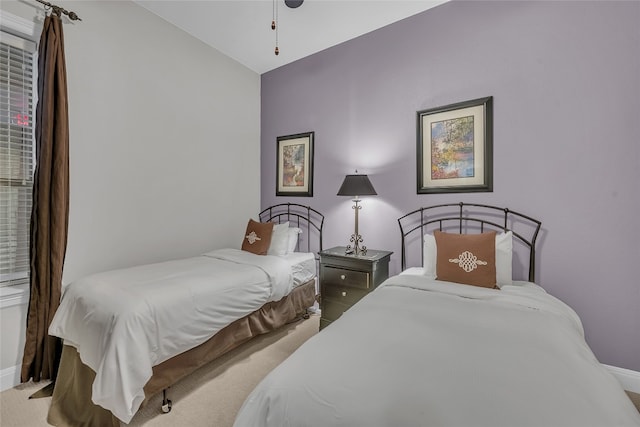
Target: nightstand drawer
(344,277)
(341,294)
(338,299)
(333,308)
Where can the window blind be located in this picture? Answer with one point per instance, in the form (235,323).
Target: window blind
(17,160)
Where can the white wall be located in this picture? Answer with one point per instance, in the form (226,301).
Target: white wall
(164,144)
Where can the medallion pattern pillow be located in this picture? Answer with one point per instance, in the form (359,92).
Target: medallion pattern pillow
(466,258)
(257,237)
(504,256)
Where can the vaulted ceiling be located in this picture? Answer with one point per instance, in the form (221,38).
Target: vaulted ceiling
(242,30)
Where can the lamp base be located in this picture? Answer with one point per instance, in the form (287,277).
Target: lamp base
(356,249)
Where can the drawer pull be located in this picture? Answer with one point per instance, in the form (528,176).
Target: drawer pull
(343,276)
(344,293)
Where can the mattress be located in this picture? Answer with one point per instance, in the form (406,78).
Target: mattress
(418,351)
(124,322)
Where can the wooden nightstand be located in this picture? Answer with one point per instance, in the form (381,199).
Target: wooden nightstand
(345,279)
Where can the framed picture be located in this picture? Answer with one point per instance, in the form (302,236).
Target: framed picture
(294,167)
(455,148)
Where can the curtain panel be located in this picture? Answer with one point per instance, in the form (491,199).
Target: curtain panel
(50,209)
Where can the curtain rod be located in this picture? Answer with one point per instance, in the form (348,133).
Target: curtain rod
(58,10)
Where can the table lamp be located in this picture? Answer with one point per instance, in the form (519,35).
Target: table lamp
(356,185)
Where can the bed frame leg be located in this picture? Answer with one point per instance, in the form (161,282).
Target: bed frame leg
(166,403)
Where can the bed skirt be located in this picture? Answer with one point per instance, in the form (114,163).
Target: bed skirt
(71,403)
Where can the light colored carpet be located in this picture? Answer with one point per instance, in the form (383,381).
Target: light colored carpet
(211,396)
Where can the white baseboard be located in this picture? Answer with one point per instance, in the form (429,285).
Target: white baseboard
(9,377)
(629,379)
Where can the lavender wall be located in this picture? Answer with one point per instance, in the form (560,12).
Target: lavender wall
(565,77)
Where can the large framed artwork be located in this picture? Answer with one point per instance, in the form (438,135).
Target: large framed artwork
(294,167)
(455,148)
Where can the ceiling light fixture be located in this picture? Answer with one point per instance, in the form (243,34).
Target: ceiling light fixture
(293,3)
(274,17)
(274,24)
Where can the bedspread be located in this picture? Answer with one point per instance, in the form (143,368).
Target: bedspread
(123,322)
(418,352)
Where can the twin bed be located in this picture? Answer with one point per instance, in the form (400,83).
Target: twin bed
(427,349)
(129,334)
(424,348)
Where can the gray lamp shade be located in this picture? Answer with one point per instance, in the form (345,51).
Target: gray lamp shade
(356,185)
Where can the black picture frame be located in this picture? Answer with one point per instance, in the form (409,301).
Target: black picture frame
(294,165)
(455,148)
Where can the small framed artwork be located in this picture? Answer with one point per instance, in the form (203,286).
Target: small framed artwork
(294,167)
(455,148)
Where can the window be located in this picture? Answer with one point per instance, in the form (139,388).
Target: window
(16,156)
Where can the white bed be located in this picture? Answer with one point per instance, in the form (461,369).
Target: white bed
(124,324)
(418,351)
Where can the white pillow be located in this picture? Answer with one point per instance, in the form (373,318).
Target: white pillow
(293,239)
(430,256)
(279,239)
(504,254)
(504,262)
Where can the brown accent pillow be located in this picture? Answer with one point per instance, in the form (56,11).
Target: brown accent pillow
(466,258)
(257,238)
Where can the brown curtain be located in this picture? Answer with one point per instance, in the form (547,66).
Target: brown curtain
(50,211)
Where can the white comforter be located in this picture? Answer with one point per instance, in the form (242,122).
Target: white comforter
(418,352)
(123,322)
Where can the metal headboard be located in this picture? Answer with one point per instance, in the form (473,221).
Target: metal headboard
(465,217)
(309,220)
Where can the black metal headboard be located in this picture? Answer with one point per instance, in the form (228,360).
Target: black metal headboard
(309,220)
(469,217)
